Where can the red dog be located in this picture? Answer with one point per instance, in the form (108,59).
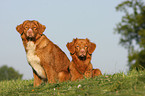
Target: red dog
(47,60)
(81,51)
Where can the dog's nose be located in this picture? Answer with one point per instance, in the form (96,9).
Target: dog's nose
(30,30)
(82,50)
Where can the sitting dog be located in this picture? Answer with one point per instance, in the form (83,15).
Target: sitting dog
(81,51)
(48,61)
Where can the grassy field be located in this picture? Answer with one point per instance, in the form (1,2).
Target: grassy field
(132,84)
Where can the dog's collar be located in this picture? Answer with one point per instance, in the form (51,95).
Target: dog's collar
(90,54)
(22,33)
(72,53)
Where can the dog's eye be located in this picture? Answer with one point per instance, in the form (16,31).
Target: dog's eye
(34,28)
(26,28)
(86,46)
(77,46)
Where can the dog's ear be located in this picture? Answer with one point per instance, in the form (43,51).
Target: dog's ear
(91,46)
(70,46)
(20,28)
(40,26)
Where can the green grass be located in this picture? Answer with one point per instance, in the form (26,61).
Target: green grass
(132,84)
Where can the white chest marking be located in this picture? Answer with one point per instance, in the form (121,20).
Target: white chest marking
(34,60)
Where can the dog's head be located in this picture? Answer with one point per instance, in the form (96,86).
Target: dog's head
(81,47)
(30,30)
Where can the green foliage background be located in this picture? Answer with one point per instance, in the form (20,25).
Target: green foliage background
(9,73)
(132,32)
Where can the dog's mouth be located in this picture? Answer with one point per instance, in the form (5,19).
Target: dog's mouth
(82,57)
(30,38)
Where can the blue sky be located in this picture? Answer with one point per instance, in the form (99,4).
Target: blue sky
(64,20)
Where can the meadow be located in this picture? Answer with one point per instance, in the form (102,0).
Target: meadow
(130,84)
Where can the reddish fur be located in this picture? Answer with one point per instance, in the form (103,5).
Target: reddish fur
(96,72)
(80,68)
(52,59)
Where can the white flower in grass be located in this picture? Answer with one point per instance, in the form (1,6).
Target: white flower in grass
(54,89)
(70,88)
(79,85)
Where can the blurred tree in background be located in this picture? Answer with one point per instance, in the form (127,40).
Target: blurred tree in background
(132,32)
(8,73)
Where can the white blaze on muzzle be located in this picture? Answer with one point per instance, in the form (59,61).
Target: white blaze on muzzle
(30,33)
